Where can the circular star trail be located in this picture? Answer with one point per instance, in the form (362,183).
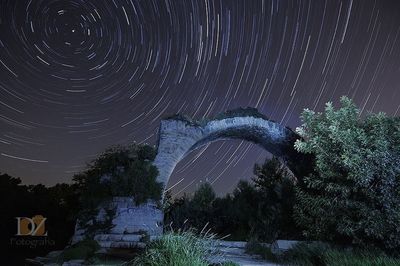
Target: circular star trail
(78,76)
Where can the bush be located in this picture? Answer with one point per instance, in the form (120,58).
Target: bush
(176,249)
(81,250)
(354,194)
(253,247)
(305,254)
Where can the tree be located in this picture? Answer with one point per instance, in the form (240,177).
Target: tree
(118,172)
(353,195)
(203,197)
(276,200)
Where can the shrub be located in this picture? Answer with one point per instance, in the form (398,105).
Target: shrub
(81,250)
(253,247)
(353,196)
(305,254)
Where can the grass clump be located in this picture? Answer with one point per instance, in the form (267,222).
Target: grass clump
(176,249)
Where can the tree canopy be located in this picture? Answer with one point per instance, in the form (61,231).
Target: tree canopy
(353,195)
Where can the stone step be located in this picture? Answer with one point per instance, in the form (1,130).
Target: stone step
(115,237)
(121,244)
(123,237)
(124,228)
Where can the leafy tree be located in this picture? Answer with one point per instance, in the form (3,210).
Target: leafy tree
(192,212)
(354,193)
(260,211)
(246,202)
(203,197)
(118,172)
(276,199)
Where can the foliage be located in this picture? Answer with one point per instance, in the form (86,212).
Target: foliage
(176,249)
(262,211)
(305,254)
(241,112)
(184,118)
(276,189)
(119,171)
(81,250)
(337,258)
(253,247)
(353,196)
(309,254)
(203,197)
(193,213)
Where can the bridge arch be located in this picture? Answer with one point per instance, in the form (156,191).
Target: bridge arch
(179,135)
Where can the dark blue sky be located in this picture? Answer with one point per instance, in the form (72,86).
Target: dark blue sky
(78,76)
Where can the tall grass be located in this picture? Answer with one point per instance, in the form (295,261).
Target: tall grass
(340,258)
(322,254)
(176,249)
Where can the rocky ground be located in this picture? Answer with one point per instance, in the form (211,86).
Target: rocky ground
(223,251)
(235,252)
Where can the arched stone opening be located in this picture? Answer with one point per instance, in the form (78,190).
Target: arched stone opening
(179,135)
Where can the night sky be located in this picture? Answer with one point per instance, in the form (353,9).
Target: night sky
(79,76)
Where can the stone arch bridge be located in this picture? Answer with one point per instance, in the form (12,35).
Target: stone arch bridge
(179,135)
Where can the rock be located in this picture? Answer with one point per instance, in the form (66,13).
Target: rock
(36,261)
(73,263)
(54,254)
(234,251)
(280,246)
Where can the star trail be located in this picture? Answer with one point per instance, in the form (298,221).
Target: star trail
(79,76)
